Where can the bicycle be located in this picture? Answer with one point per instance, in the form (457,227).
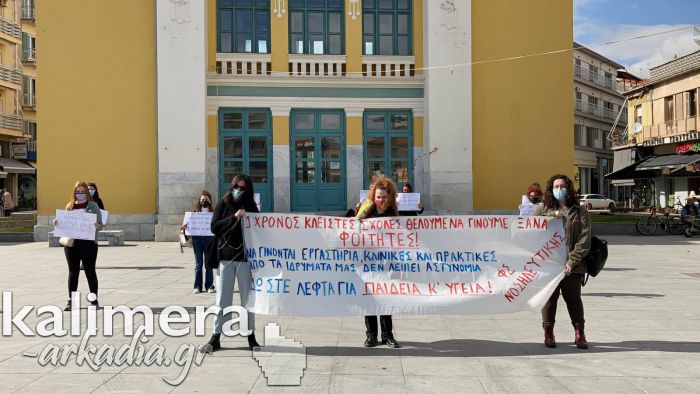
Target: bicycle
(647,225)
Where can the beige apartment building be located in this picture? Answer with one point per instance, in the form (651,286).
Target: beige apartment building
(662,144)
(599,108)
(18,101)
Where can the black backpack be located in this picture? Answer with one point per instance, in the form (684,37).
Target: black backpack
(596,258)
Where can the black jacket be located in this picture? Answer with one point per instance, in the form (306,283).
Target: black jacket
(227,229)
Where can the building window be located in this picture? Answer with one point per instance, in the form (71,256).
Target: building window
(668,108)
(28,91)
(316,27)
(28,47)
(386,27)
(579,135)
(243,26)
(638,114)
(692,109)
(388,146)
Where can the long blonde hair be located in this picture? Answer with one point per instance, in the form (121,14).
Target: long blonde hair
(71,203)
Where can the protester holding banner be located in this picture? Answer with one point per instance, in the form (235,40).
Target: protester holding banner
(227,226)
(84,251)
(560,201)
(407,188)
(381,202)
(95,195)
(200,245)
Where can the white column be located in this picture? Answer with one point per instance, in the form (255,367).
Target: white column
(448,105)
(181,94)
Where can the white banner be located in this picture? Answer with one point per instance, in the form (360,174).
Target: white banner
(198,223)
(307,265)
(75,224)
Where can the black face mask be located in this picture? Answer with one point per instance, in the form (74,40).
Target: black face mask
(535,199)
(204,203)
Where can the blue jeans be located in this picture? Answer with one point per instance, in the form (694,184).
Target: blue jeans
(200,246)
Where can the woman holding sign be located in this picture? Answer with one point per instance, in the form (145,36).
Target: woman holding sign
(200,245)
(561,202)
(227,226)
(407,188)
(381,202)
(84,251)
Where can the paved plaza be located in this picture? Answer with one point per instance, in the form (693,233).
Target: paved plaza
(642,316)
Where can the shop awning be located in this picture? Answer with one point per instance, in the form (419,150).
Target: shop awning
(674,162)
(3,174)
(649,167)
(12,166)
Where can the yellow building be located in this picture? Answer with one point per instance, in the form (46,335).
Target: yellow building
(311,98)
(16,174)
(662,147)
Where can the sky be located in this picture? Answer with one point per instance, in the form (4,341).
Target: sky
(599,21)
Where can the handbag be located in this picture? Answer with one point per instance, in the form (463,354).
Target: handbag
(211,257)
(66,241)
(596,258)
(185,241)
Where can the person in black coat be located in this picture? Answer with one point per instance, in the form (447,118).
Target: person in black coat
(227,226)
(381,202)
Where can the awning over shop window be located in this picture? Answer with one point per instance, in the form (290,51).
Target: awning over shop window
(649,167)
(12,166)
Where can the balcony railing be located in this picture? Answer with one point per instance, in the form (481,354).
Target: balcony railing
(316,65)
(388,66)
(672,128)
(10,28)
(29,101)
(12,122)
(243,63)
(28,13)
(28,54)
(596,78)
(10,75)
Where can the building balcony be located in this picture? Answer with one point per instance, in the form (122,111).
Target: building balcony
(671,128)
(10,28)
(241,64)
(28,13)
(10,122)
(10,75)
(316,65)
(388,66)
(596,78)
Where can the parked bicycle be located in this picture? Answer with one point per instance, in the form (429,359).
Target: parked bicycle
(647,225)
(691,227)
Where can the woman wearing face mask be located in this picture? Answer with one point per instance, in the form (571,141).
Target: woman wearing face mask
(560,201)
(200,245)
(82,250)
(227,226)
(95,195)
(381,202)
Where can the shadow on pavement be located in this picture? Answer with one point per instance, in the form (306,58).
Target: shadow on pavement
(612,295)
(484,348)
(666,239)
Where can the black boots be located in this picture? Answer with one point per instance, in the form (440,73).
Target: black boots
(213,345)
(388,339)
(252,343)
(371,340)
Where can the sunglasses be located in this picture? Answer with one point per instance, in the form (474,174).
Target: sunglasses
(238,187)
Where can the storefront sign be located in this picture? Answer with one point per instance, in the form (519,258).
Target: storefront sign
(19,150)
(685,137)
(692,147)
